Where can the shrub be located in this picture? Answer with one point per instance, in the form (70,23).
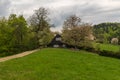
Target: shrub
(114,41)
(110,54)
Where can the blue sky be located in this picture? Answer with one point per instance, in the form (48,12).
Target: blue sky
(92,11)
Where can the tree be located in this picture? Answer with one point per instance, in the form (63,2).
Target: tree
(39,20)
(20,30)
(46,37)
(71,22)
(5,35)
(76,33)
(15,35)
(104,32)
(39,23)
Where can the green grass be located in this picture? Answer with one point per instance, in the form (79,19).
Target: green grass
(61,64)
(108,47)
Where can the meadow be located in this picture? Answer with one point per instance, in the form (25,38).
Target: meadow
(107,47)
(61,64)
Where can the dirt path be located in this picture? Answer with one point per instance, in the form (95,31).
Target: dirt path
(17,55)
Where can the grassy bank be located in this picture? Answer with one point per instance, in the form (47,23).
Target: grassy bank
(61,64)
(108,47)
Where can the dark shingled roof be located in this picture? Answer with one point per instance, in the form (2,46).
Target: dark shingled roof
(54,42)
(60,43)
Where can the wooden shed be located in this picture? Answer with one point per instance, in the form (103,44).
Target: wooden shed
(57,42)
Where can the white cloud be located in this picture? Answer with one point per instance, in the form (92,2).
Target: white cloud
(4,7)
(94,11)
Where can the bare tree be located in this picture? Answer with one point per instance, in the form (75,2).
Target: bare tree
(39,20)
(71,22)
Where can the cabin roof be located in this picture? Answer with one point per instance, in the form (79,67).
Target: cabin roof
(53,42)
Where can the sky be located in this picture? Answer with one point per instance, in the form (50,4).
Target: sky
(90,11)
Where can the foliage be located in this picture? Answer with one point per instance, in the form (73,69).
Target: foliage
(17,36)
(5,35)
(104,32)
(110,54)
(107,47)
(71,22)
(19,32)
(76,34)
(45,37)
(39,23)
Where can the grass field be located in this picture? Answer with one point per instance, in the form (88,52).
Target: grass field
(108,47)
(61,64)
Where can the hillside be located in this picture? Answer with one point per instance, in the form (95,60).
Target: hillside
(60,64)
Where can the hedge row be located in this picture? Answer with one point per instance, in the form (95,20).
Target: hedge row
(110,54)
(99,52)
(102,52)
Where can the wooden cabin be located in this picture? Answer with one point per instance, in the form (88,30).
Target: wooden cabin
(57,42)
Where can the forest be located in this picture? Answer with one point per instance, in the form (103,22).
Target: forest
(18,34)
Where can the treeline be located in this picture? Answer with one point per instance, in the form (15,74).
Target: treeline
(16,35)
(105,32)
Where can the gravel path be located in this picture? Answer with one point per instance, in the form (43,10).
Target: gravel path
(17,55)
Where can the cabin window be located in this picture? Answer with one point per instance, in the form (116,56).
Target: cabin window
(63,45)
(58,39)
(56,46)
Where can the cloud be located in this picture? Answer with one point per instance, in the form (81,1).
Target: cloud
(4,7)
(92,12)
(95,11)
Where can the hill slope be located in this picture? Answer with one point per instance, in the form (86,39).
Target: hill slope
(61,64)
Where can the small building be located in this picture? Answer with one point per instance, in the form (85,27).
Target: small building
(57,42)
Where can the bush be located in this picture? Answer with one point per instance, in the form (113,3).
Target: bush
(110,54)
(90,49)
(100,52)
